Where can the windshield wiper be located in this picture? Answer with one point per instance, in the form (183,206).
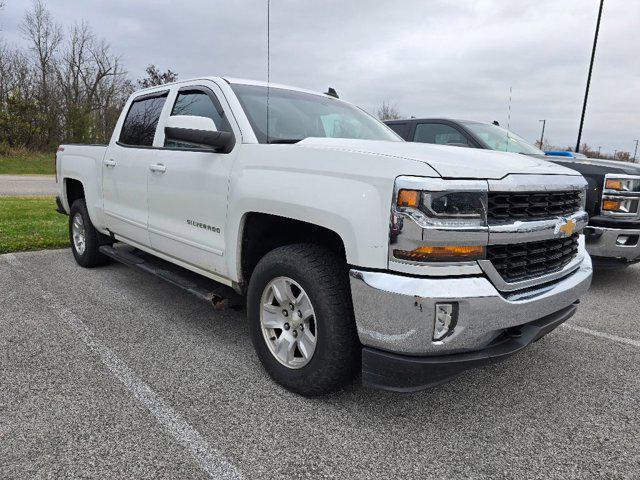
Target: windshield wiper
(285,140)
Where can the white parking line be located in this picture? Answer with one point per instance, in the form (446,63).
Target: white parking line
(212,462)
(607,336)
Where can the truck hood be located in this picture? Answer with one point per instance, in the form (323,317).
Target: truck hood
(447,161)
(597,166)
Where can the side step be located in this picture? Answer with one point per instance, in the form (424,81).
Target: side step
(204,288)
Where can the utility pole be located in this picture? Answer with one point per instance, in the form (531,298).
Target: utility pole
(509,114)
(635,151)
(599,151)
(615,153)
(544,122)
(586,93)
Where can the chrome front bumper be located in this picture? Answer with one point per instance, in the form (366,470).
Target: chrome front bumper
(606,242)
(396,313)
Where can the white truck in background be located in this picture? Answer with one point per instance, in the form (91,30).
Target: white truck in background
(356,251)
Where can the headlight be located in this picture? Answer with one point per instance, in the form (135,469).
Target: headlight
(439,211)
(455,204)
(621,195)
(622,184)
(445,209)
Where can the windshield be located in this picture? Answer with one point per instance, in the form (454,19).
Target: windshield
(295,115)
(498,138)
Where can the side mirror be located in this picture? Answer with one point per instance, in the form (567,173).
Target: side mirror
(200,131)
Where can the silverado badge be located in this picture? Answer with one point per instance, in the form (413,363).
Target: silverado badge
(568,227)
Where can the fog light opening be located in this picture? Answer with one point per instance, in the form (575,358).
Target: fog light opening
(445,320)
(627,240)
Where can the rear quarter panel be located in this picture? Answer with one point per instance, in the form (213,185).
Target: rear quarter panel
(83,163)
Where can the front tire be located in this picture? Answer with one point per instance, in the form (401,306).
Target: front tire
(85,239)
(301,319)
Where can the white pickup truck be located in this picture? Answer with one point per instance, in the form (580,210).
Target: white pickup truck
(356,251)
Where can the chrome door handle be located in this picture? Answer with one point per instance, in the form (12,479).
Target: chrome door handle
(110,163)
(158,167)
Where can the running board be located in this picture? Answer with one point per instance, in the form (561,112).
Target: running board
(204,288)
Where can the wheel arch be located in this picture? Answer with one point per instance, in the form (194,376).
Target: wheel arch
(261,233)
(73,190)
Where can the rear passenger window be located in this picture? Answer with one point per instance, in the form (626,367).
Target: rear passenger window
(139,126)
(198,103)
(438,133)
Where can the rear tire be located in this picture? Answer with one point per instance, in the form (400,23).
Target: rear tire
(85,239)
(324,352)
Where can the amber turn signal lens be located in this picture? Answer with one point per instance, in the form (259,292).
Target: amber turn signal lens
(614,184)
(409,198)
(438,254)
(611,205)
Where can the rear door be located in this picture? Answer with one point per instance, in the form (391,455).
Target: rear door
(188,187)
(125,169)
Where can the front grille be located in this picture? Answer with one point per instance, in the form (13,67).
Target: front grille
(522,261)
(504,206)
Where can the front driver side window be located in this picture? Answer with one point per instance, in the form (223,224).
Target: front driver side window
(438,133)
(199,104)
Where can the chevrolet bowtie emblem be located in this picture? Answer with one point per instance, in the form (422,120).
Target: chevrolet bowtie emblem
(568,227)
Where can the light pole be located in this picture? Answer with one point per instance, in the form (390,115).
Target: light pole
(635,151)
(599,151)
(586,93)
(544,122)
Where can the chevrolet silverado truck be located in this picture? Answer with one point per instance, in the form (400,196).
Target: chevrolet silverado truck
(613,192)
(353,250)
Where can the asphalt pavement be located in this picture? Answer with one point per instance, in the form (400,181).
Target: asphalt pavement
(112,373)
(12,185)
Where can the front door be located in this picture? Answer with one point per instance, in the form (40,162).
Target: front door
(441,134)
(125,170)
(188,185)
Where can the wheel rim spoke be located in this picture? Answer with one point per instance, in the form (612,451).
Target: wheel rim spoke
(285,348)
(279,289)
(271,316)
(304,306)
(307,344)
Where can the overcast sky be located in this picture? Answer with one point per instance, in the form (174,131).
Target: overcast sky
(430,58)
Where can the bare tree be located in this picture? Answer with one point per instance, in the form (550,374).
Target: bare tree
(588,151)
(156,77)
(88,75)
(623,156)
(545,146)
(45,37)
(61,88)
(388,111)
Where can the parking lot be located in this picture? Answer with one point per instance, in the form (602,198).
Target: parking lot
(112,373)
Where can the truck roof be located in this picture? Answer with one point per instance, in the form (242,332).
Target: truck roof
(239,81)
(244,81)
(432,119)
